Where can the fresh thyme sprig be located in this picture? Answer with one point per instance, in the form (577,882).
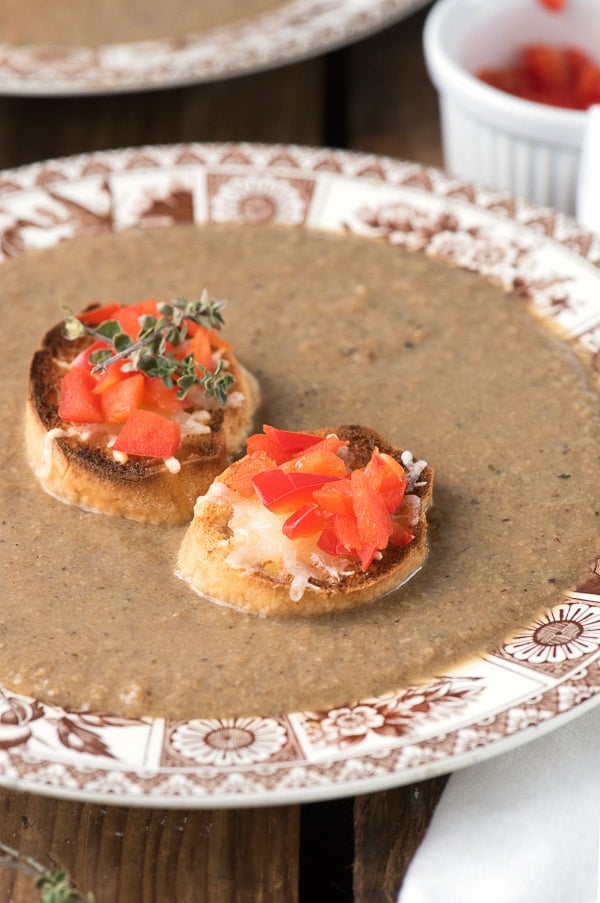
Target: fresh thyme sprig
(150,353)
(56,886)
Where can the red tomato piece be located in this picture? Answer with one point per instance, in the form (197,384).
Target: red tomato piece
(387,478)
(403,523)
(366,555)
(98,315)
(216,339)
(587,86)
(346,530)
(77,402)
(83,358)
(577,60)
(247,468)
(306,521)
(335,497)
(160,398)
(120,399)
(283,493)
(280,445)
(201,349)
(548,67)
(328,542)
(373,518)
(400,537)
(560,76)
(129,316)
(107,378)
(148,434)
(320,458)
(554,5)
(512,79)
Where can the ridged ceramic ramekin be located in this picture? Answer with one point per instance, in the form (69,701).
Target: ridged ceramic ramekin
(532,150)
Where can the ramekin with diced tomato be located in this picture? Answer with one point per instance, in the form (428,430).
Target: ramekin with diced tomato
(529,145)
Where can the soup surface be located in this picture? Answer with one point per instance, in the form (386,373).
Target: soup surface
(87,23)
(337,329)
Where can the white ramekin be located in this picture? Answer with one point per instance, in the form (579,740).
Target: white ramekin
(490,137)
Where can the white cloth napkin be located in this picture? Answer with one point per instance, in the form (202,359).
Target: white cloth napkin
(519,828)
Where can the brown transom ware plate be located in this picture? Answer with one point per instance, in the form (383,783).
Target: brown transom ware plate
(545,674)
(282,33)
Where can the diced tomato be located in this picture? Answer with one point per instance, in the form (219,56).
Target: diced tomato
(247,468)
(281,445)
(400,537)
(346,530)
(387,478)
(283,493)
(328,542)
(148,434)
(335,497)
(577,60)
(554,5)
(373,518)
(587,87)
(77,402)
(216,339)
(160,398)
(560,76)
(113,374)
(548,67)
(199,346)
(349,513)
(319,458)
(120,399)
(97,315)
(83,358)
(403,523)
(129,315)
(306,521)
(511,80)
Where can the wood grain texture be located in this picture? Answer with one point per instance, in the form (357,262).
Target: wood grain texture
(127,855)
(286,106)
(388,828)
(392,105)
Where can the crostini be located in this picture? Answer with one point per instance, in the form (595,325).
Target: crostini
(309,523)
(133,410)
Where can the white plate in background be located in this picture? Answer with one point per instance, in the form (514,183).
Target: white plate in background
(298,30)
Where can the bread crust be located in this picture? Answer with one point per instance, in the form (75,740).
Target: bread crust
(202,555)
(84,472)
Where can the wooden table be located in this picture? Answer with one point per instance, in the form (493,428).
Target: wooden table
(373,96)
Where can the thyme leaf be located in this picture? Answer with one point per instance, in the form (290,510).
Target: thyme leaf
(150,353)
(56,887)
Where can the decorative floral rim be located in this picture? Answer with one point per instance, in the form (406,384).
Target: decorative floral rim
(298,30)
(548,673)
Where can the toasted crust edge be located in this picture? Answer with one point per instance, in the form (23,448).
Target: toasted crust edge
(73,472)
(201,558)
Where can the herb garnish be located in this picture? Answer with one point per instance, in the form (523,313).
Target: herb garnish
(56,886)
(150,353)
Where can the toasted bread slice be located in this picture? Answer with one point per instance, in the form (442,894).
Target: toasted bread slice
(233,552)
(75,465)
